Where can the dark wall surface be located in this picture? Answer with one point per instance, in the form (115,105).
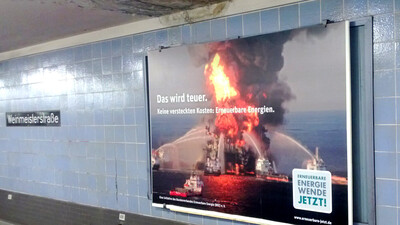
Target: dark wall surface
(31,210)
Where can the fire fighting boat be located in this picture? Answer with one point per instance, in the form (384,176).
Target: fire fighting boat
(192,187)
(265,169)
(316,163)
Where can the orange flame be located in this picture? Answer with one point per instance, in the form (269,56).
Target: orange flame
(220,81)
(227,96)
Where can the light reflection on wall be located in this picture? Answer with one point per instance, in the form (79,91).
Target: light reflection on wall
(55,81)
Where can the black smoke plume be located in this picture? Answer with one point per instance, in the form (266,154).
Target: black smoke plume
(257,62)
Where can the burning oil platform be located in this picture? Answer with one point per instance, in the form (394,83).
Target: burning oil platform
(233,143)
(225,155)
(238,143)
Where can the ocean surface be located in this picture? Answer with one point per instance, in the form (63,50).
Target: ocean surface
(325,130)
(256,197)
(246,196)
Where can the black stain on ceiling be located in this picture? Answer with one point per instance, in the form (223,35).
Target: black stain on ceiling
(152,8)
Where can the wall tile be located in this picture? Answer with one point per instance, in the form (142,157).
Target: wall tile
(139,98)
(397,57)
(131,153)
(120,151)
(96,50)
(384,83)
(106,49)
(269,20)
(380,6)
(133,204)
(131,169)
(355,8)
(126,45)
(133,188)
(398,168)
(383,56)
(385,165)
(168,214)
(386,215)
(129,116)
(70,178)
(384,111)
(251,24)
(109,134)
(240,223)
(397,26)
(234,27)
(143,170)
(127,63)
(86,53)
(289,17)
(310,13)
(157,212)
(149,41)
(397,5)
(141,134)
(118,116)
(209,221)
(201,32)
(218,29)
(385,138)
(121,168)
(224,222)
(137,64)
(129,99)
(78,53)
(110,168)
(116,64)
(123,203)
(4,66)
(116,47)
(130,134)
(97,69)
(332,10)
(144,206)
(138,42)
(174,36)
(186,34)
(162,38)
(143,187)
(106,66)
(138,80)
(143,154)
(140,116)
(383,28)
(183,217)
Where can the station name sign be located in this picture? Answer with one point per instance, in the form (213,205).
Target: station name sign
(33,119)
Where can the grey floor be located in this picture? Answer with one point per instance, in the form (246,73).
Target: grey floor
(5,223)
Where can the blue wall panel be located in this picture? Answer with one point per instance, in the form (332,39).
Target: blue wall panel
(99,156)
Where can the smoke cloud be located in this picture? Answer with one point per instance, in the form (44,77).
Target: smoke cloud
(255,63)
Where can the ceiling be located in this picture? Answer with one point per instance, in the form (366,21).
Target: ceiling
(29,22)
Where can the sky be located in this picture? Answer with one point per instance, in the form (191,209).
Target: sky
(174,71)
(314,69)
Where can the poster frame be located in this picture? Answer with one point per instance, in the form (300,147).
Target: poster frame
(247,219)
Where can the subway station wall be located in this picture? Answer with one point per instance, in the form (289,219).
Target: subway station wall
(99,155)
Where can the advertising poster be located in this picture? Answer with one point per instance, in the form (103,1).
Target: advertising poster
(254,129)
